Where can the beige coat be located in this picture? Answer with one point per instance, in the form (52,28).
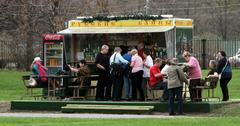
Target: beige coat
(176,77)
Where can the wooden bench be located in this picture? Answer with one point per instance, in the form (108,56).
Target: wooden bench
(71,108)
(30,88)
(209,83)
(81,87)
(153,93)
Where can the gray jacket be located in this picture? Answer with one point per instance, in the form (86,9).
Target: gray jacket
(176,77)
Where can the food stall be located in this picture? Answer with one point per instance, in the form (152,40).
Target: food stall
(166,37)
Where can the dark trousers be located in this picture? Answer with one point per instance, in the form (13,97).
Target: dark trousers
(175,92)
(195,94)
(223,85)
(104,86)
(137,84)
(162,86)
(117,87)
(44,85)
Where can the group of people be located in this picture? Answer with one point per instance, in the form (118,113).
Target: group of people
(141,71)
(220,68)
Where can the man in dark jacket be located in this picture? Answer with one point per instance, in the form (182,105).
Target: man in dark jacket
(102,63)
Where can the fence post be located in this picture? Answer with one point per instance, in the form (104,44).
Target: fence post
(204,53)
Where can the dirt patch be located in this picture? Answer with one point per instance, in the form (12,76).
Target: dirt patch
(4,106)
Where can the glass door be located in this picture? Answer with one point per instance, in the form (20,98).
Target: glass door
(53,56)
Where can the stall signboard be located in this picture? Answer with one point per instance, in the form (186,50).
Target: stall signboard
(52,37)
(183,23)
(121,23)
(130,23)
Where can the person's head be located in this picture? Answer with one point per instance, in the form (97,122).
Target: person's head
(104,49)
(158,62)
(130,49)
(117,49)
(212,64)
(134,51)
(221,54)
(146,53)
(37,59)
(82,62)
(187,55)
(173,61)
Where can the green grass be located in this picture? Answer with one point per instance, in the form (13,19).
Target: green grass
(12,87)
(233,86)
(213,121)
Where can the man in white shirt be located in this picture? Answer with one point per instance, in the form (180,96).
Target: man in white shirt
(164,70)
(117,79)
(147,63)
(118,56)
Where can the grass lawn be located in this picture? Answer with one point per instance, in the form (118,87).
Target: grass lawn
(203,121)
(233,86)
(12,87)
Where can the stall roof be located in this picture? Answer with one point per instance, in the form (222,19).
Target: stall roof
(125,26)
(114,30)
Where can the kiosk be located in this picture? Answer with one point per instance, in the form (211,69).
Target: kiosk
(165,37)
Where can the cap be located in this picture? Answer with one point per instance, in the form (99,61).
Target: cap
(37,59)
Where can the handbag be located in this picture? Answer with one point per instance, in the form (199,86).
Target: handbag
(116,68)
(31,82)
(220,75)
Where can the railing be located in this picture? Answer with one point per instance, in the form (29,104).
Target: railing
(205,50)
(16,55)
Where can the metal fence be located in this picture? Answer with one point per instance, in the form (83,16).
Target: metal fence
(16,55)
(205,50)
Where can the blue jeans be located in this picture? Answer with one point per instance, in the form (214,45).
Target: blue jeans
(175,92)
(127,87)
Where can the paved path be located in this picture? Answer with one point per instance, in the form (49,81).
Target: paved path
(76,115)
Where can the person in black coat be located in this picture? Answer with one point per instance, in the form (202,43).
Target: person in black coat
(225,73)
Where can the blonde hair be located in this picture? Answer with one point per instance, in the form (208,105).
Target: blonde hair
(134,51)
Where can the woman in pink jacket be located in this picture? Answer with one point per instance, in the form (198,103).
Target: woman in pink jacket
(195,75)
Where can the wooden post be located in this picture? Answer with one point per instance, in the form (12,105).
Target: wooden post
(204,53)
